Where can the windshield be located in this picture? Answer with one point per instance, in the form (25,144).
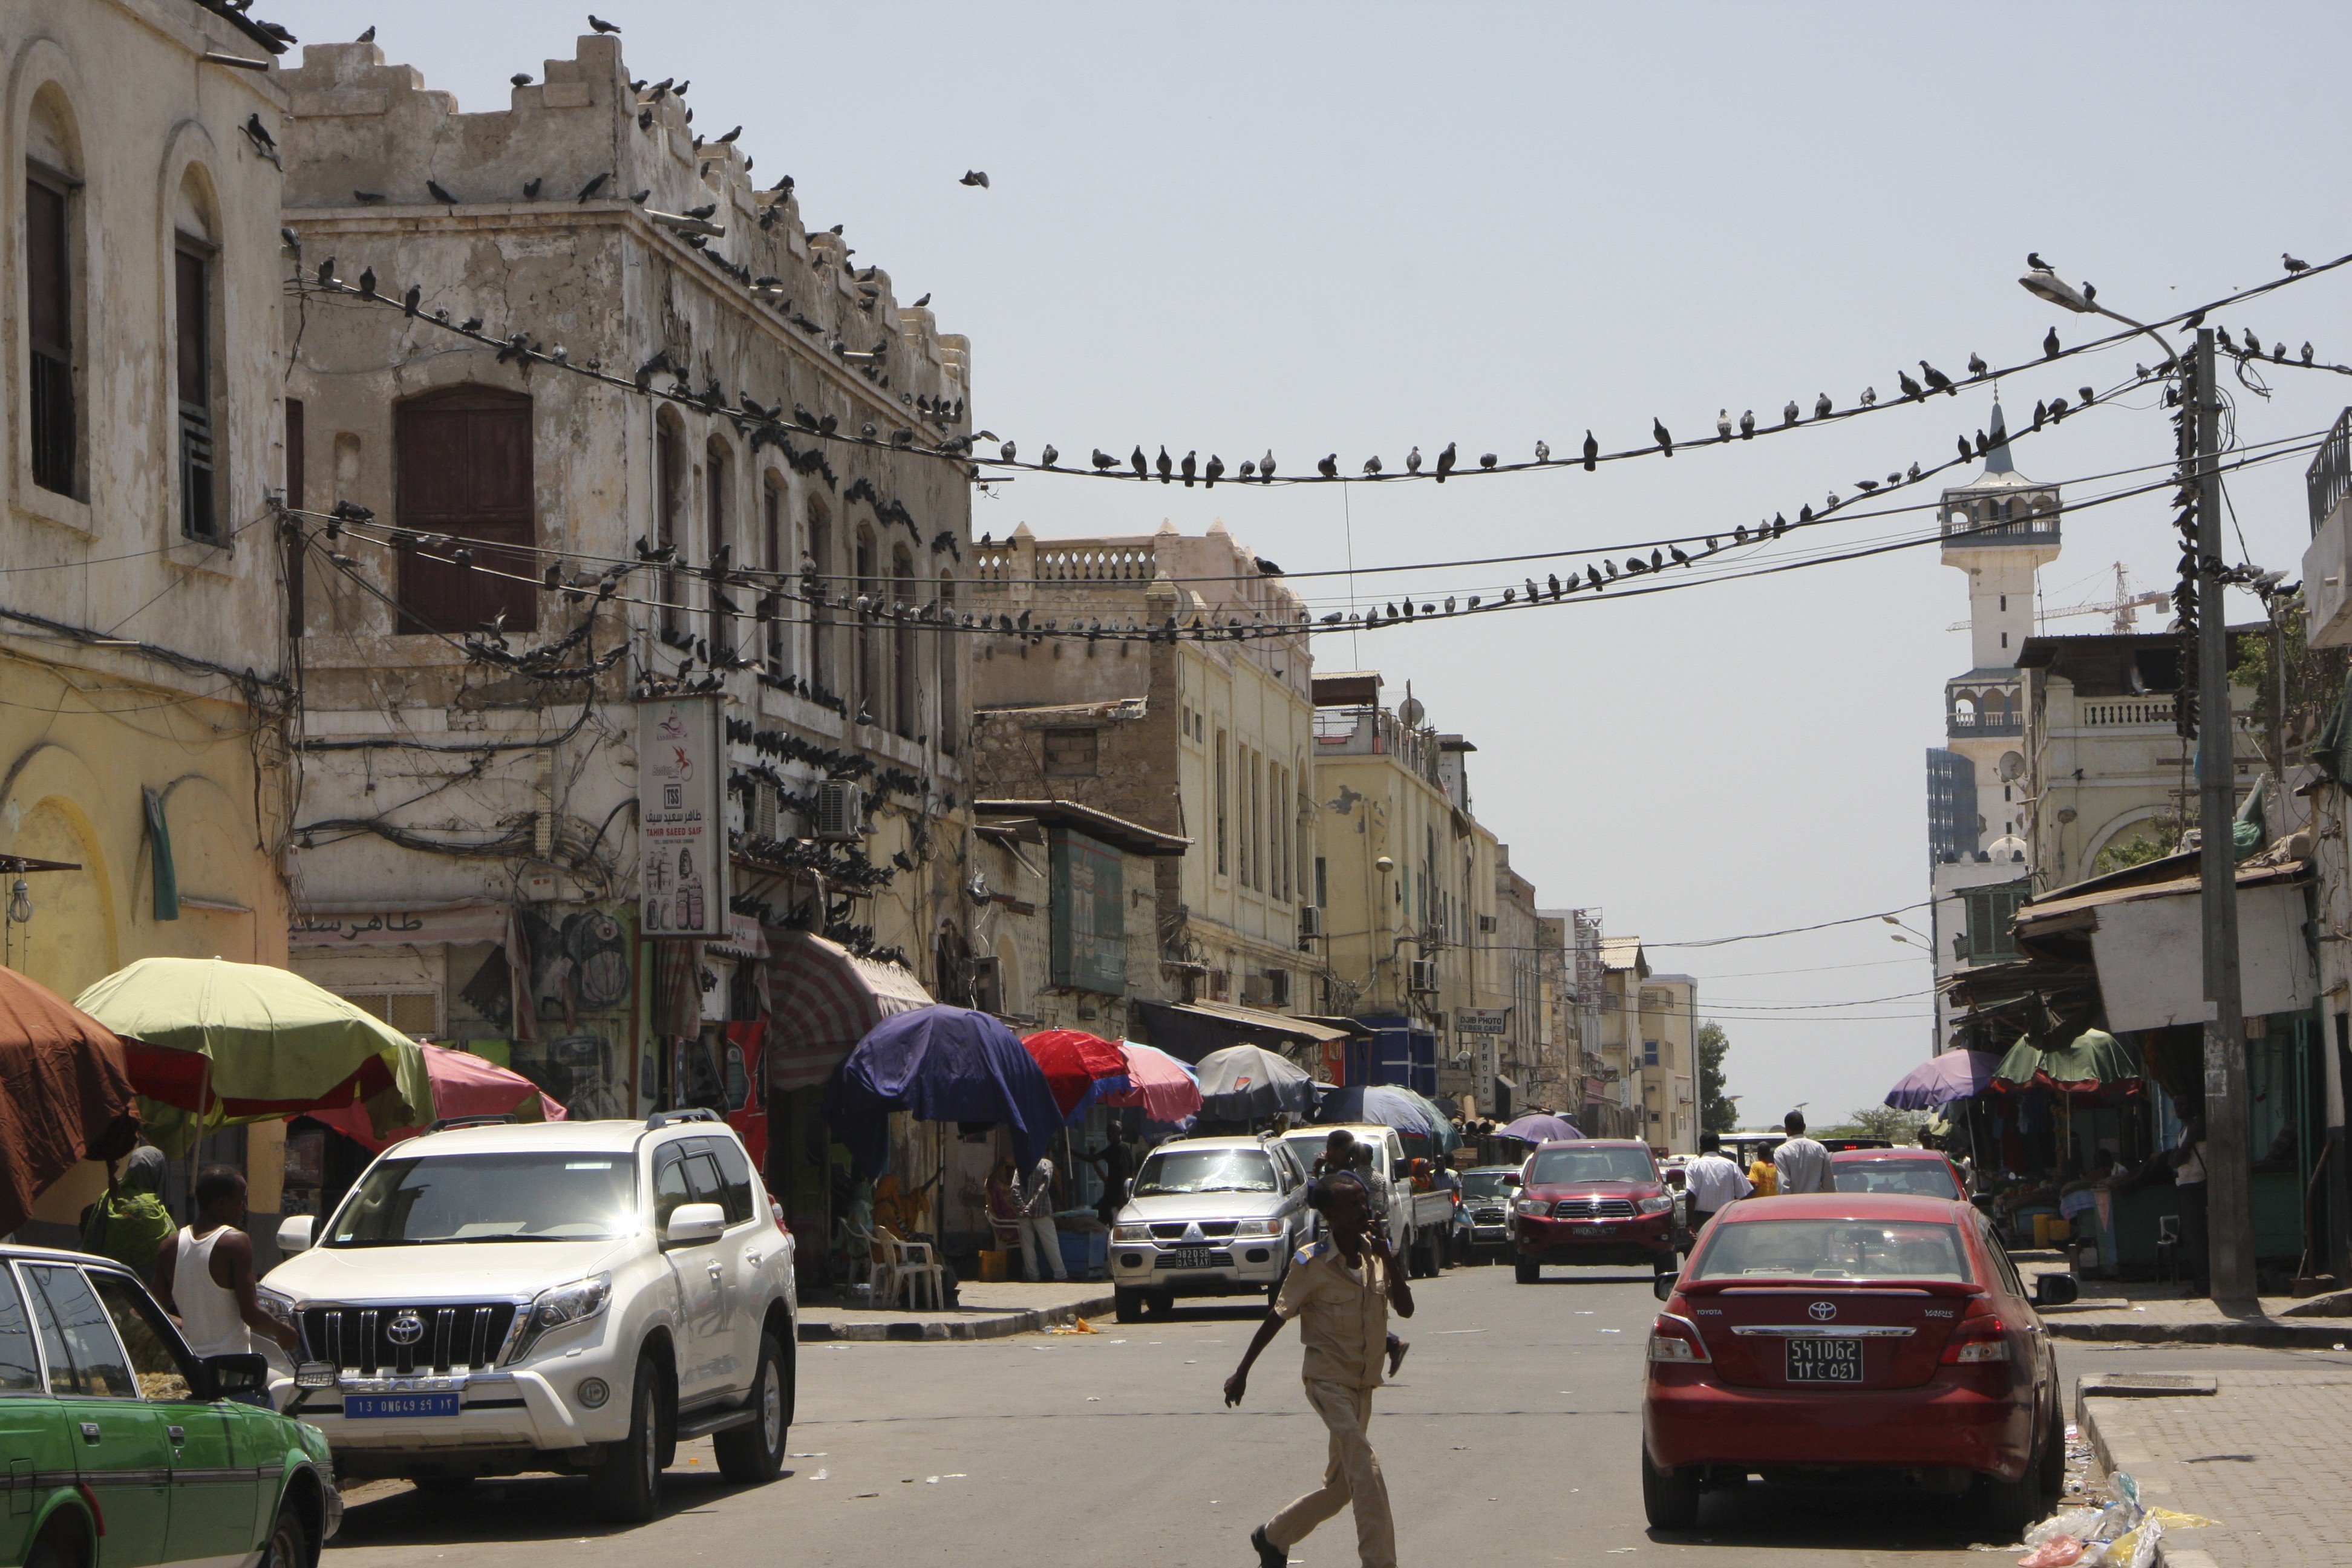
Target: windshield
(553,1197)
(1484,1185)
(1560,1167)
(1167,1171)
(1832,1249)
(1927,1178)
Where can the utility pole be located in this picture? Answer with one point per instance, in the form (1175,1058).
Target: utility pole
(2229,1214)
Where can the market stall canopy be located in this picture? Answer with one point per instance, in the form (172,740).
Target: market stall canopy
(1158,1082)
(1441,1130)
(278,1046)
(1382,1105)
(1954,1075)
(1241,1083)
(1538,1127)
(462,1085)
(65,1096)
(2093,1060)
(1191,1031)
(939,1064)
(822,1000)
(1079,1067)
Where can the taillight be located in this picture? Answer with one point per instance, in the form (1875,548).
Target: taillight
(1978,1337)
(1674,1339)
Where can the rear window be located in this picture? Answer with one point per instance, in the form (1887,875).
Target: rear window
(1172,1170)
(1920,1178)
(1563,1167)
(1832,1249)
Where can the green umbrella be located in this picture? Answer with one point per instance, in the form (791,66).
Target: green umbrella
(2093,1059)
(277,1045)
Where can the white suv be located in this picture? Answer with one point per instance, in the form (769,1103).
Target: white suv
(570,1295)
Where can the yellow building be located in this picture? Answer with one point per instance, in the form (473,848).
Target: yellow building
(1667,1070)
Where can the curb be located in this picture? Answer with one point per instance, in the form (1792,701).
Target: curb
(2268,1331)
(2123,1453)
(1000,1325)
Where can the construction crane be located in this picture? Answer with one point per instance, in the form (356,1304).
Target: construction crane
(2125,606)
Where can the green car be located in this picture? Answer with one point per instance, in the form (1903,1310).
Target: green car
(121,1448)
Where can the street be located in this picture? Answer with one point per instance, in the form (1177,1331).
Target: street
(1509,1432)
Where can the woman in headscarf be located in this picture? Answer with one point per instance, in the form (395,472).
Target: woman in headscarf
(129,1223)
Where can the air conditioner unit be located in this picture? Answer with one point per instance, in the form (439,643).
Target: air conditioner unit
(840,811)
(1310,921)
(1257,990)
(1277,987)
(1421,974)
(984,983)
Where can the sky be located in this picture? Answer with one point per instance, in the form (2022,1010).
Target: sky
(1354,229)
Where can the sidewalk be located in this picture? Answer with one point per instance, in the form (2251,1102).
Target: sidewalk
(984,1312)
(2151,1314)
(2265,1454)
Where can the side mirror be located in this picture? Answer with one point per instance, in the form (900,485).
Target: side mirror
(244,1377)
(692,1222)
(2056,1289)
(1662,1285)
(295,1231)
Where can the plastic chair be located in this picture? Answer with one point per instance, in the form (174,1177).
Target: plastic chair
(912,1270)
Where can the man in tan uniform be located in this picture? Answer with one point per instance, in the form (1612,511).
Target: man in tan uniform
(1341,1290)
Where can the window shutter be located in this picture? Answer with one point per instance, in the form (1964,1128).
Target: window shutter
(465,469)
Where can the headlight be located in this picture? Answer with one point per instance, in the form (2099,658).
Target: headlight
(1536,1207)
(1131,1233)
(1657,1205)
(1257,1228)
(278,1306)
(575,1303)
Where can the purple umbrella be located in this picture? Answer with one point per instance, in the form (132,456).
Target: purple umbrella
(1940,1080)
(1538,1127)
(939,1064)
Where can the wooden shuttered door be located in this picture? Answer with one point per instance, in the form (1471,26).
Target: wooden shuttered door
(466,470)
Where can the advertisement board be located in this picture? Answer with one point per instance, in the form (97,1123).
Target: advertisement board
(682,817)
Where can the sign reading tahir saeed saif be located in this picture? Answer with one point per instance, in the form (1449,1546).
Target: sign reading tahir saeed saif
(682,817)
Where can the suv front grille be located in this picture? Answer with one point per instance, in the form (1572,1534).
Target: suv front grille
(447,1337)
(1173,1230)
(1593,1208)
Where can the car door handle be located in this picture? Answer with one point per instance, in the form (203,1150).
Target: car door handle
(90,1432)
(752,1259)
(178,1435)
(717,1272)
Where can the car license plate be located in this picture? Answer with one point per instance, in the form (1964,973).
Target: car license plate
(376,1406)
(1824,1361)
(1595,1230)
(1187,1258)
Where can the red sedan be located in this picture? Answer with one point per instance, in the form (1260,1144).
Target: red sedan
(1926,1172)
(1836,1334)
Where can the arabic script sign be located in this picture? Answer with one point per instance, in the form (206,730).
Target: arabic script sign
(682,817)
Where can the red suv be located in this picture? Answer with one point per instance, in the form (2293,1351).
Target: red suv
(1854,1333)
(1592,1199)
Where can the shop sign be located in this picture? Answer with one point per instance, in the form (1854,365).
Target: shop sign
(682,817)
(1482,1020)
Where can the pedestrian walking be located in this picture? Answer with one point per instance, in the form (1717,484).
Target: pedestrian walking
(1115,1160)
(204,1276)
(1799,1163)
(1341,1291)
(1713,1182)
(1038,1232)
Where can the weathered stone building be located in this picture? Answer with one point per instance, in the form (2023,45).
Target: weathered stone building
(689,448)
(143,688)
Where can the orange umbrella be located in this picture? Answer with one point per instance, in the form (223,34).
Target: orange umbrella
(64,1095)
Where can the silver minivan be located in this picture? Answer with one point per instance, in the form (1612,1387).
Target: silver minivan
(1207,1217)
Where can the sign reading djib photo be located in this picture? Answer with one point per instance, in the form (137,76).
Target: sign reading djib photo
(682,817)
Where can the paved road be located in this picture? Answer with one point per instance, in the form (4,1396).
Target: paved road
(1509,1436)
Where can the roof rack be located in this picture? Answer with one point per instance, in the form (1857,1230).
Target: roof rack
(661,1119)
(446,1122)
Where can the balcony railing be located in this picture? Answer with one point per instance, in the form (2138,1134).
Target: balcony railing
(2024,520)
(2330,474)
(1965,724)
(2123,710)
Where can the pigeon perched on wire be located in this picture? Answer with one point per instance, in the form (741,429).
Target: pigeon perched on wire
(1412,461)
(2292,265)
(1659,433)
(1747,424)
(1265,465)
(1977,366)
(1823,405)
(1723,424)
(1328,466)
(1790,416)
(1445,462)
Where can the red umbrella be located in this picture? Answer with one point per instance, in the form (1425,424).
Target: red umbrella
(64,1095)
(462,1085)
(1158,1082)
(1078,1066)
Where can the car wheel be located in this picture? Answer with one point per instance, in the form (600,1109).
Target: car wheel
(1160,1304)
(1127,1305)
(1669,1497)
(2010,1506)
(753,1453)
(628,1485)
(288,1547)
(1529,1272)
(2053,1467)
(61,1544)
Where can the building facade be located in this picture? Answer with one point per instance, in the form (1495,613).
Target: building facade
(1666,1075)
(1529,1051)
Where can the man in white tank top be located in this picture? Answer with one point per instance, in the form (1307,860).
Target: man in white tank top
(204,1276)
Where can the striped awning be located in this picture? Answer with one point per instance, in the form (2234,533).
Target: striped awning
(822,999)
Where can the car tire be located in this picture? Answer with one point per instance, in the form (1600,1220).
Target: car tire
(60,1545)
(1529,1272)
(628,1485)
(752,1454)
(1160,1304)
(1126,1306)
(2051,1471)
(2010,1506)
(288,1545)
(1669,1497)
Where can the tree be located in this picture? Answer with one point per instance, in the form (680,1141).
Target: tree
(1880,1121)
(1717,1112)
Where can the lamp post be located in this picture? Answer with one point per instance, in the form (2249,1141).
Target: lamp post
(2230,1220)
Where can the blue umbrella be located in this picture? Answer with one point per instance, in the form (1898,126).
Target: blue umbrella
(1441,1130)
(1379,1104)
(939,1064)
(1536,1128)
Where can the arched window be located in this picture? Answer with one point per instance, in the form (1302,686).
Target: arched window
(947,649)
(54,270)
(669,521)
(906,688)
(825,660)
(463,464)
(776,556)
(872,697)
(196,356)
(719,540)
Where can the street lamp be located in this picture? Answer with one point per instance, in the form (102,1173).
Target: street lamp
(2044,284)
(20,901)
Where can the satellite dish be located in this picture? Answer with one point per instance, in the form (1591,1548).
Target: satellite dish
(1410,712)
(2013,766)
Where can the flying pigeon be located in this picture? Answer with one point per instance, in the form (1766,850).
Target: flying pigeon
(975,177)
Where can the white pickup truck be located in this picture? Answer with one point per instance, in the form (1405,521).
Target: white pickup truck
(573,1296)
(1420,1224)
